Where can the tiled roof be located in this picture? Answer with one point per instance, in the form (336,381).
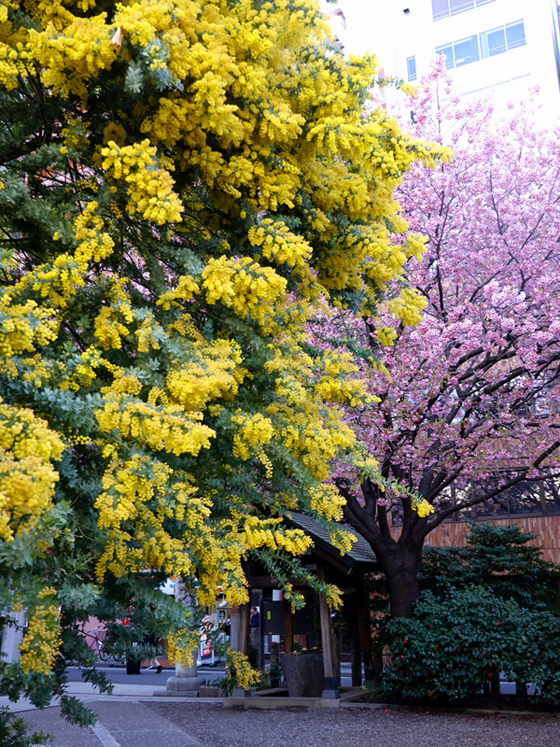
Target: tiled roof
(361,551)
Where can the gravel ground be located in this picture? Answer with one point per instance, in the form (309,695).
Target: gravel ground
(359,727)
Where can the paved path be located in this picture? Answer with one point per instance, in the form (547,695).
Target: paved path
(124,720)
(120,724)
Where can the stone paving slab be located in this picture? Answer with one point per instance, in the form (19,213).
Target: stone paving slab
(51,722)
(134,725)
(86,692)
(120,724)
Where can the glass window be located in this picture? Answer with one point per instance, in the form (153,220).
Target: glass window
(493,42)
(466,51)
(448,52)
(397,513)
(502,39)
(552,496)
(524,498)
(515,35)
(440,9)
(411,68)
(460,6)
(445,8)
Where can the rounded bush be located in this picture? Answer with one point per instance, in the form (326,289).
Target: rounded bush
(453,645)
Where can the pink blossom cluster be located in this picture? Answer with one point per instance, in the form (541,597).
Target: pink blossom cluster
(473,393)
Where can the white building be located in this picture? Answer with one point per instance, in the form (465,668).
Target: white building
(504,45)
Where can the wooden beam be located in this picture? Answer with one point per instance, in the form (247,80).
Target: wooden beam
(288,628)
(330,559)
(244,624)
(329,660)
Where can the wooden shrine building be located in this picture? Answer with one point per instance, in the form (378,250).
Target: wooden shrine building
(312,626)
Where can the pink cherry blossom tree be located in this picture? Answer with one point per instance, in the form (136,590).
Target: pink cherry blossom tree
(469,400)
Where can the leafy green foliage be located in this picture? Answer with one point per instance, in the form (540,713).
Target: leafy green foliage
(453,645)
(483,608)
(497,557)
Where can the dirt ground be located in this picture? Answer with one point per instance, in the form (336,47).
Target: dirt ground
(358,726)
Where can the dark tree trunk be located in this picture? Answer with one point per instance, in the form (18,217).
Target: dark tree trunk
(400,564)
(402,583)
(399,558)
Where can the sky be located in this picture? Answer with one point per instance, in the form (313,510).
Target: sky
(361,16)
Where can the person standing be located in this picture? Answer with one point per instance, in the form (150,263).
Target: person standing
(255,618)
(254,623)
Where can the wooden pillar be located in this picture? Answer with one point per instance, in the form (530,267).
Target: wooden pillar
(366,641)
(244,615)
(245,612)
(288,628)
(330,690)
(244,624)
(234,638)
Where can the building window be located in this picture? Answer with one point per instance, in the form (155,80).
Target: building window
(502,39)
(487,44)
(411,68)
(515,35)
(466,51)
(493,42)
(461,52)
(448,52)
(445,8)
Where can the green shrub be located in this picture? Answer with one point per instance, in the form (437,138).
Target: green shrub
(496,557)
(454,644)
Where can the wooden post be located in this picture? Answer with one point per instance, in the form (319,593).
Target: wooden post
(245,612)
(330,690)
(244,624)
(234,637)
(243,643)
(244,629)
(288,628)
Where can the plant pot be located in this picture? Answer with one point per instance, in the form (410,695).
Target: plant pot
(133,666)
(304,675)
